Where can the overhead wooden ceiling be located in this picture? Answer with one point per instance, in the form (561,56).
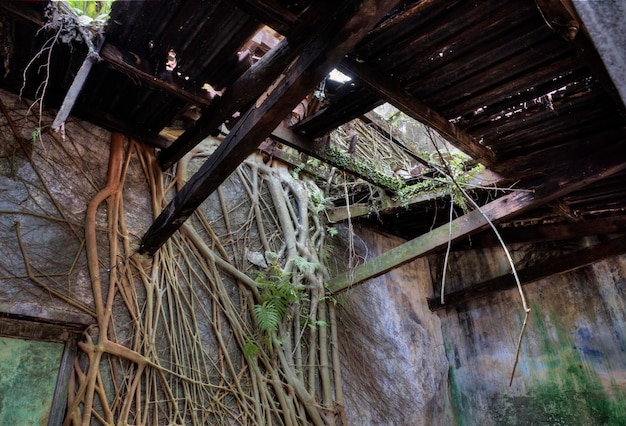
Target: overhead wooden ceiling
(518,85)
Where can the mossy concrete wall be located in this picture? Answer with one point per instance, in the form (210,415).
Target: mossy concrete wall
(572,367)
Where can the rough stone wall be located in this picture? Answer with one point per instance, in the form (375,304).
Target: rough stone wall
(572,367)
(393,361)
(43,196)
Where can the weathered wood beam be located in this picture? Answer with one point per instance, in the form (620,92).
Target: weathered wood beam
(79,81)
(23,11)
(549,232)
(565,263)
(294,161)
(351,101)
(385,203)
(115,56)
(404,101)
(250,85)
(115,124)
(317,59)
(513,204)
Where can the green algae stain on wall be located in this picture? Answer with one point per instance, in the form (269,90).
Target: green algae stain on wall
(569,391)
(457,399)
(28,374)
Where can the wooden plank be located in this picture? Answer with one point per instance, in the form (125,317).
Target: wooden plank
(513,204)
(271,13)
(300,78)
(61,390)
(469,223)
(566,263)
(404,101)
(352,100)
(396,29)
(115,124)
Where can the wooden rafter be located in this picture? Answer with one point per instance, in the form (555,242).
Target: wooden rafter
(301,76)
(115,57)
(565,263)
(307,146)
(502,208)
(407,103)
(271,13)
(351,101)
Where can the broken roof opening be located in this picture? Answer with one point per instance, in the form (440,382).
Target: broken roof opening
(338,76)
(265,39)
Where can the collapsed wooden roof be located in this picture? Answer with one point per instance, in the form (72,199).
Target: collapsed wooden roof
(517,85)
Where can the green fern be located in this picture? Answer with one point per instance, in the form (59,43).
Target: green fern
(277,294)
(304,265)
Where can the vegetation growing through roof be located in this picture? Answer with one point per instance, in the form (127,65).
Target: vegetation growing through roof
(93,14)
(67,21)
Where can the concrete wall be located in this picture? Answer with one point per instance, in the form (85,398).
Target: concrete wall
(572,367)
(393,361)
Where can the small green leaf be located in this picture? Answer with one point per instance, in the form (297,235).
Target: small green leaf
(35,134)
(250,348)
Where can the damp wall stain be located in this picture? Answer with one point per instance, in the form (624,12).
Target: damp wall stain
(572,368)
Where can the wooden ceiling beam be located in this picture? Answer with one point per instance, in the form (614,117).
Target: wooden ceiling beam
(407,103)
(565,263)
(342,32)
(269,12)
(351,101)
(511,205)
(547,232)
(119,59)
(249,85)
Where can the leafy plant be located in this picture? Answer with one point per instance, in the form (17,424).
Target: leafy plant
(250,348)
(364,168)
(319,201)
(296,171)
(277,295)
(92,13)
